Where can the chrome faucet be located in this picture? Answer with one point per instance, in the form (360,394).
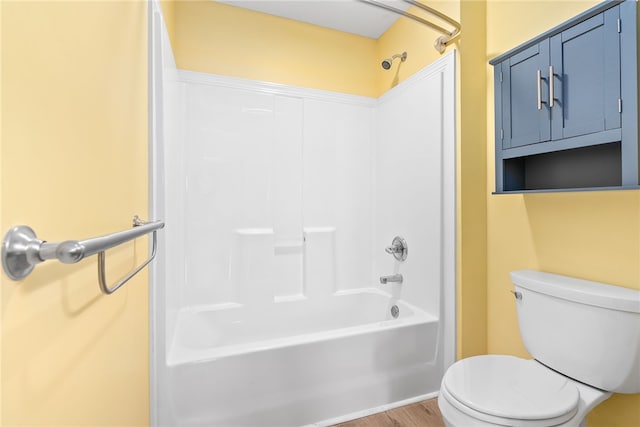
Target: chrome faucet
(397,278)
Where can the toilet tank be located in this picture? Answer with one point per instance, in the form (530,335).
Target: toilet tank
(585,330)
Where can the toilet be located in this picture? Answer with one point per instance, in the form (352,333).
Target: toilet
(585,341)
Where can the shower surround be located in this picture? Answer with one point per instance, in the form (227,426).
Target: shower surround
(267,307)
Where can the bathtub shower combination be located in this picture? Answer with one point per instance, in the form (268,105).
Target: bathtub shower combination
(267,303)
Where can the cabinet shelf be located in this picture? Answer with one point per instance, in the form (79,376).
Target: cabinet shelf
(585,167)
(573,190)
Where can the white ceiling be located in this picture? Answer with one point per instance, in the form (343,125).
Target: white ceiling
(351,16)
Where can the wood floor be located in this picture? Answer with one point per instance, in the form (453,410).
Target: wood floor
(421,414)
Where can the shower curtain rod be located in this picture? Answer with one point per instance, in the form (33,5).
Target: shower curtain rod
(441,42)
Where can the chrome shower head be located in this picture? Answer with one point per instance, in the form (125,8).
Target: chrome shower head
(386,64)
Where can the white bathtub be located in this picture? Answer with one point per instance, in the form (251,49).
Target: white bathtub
(299,362)
(272,191)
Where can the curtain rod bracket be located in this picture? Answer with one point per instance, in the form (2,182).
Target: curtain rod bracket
(441,42)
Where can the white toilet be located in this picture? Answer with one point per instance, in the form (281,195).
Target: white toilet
(585,340)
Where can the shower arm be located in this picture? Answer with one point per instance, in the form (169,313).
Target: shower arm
(441,42)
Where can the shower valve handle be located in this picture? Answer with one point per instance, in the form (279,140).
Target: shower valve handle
(393,249)
(398,248)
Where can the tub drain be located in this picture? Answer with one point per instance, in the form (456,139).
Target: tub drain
(395,311)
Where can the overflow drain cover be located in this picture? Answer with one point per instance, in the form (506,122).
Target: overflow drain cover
(395,311)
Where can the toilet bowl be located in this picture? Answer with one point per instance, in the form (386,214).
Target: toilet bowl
(564,324)
(501,390)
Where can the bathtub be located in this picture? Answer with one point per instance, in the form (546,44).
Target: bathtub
(238,365)
(279,203)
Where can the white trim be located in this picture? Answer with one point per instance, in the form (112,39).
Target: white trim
(156,36)
(153,195)
(197,77)
(273,88)
(449,218)
(372,411)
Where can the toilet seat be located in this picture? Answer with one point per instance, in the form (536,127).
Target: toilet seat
(507,390)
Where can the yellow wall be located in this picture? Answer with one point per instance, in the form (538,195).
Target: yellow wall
(220,39)
(73,164)
(594,235)
(169,14)
(472,228)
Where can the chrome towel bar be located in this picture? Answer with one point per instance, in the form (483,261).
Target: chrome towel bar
(22,250)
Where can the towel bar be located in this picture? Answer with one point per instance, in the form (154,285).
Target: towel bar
(22,250)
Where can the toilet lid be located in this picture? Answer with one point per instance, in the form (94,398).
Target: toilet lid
(510,387)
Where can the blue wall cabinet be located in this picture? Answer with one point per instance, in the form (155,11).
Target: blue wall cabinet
(566,105)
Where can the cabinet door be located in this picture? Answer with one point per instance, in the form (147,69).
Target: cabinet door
(586,77)
(525,94)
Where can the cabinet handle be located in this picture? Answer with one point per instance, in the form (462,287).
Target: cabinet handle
(551,89)
(539,82)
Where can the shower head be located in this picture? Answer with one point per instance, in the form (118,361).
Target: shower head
(386,64)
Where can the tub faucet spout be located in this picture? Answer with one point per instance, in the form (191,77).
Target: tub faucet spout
(397,278)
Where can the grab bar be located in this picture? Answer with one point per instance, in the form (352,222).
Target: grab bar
(22,250)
